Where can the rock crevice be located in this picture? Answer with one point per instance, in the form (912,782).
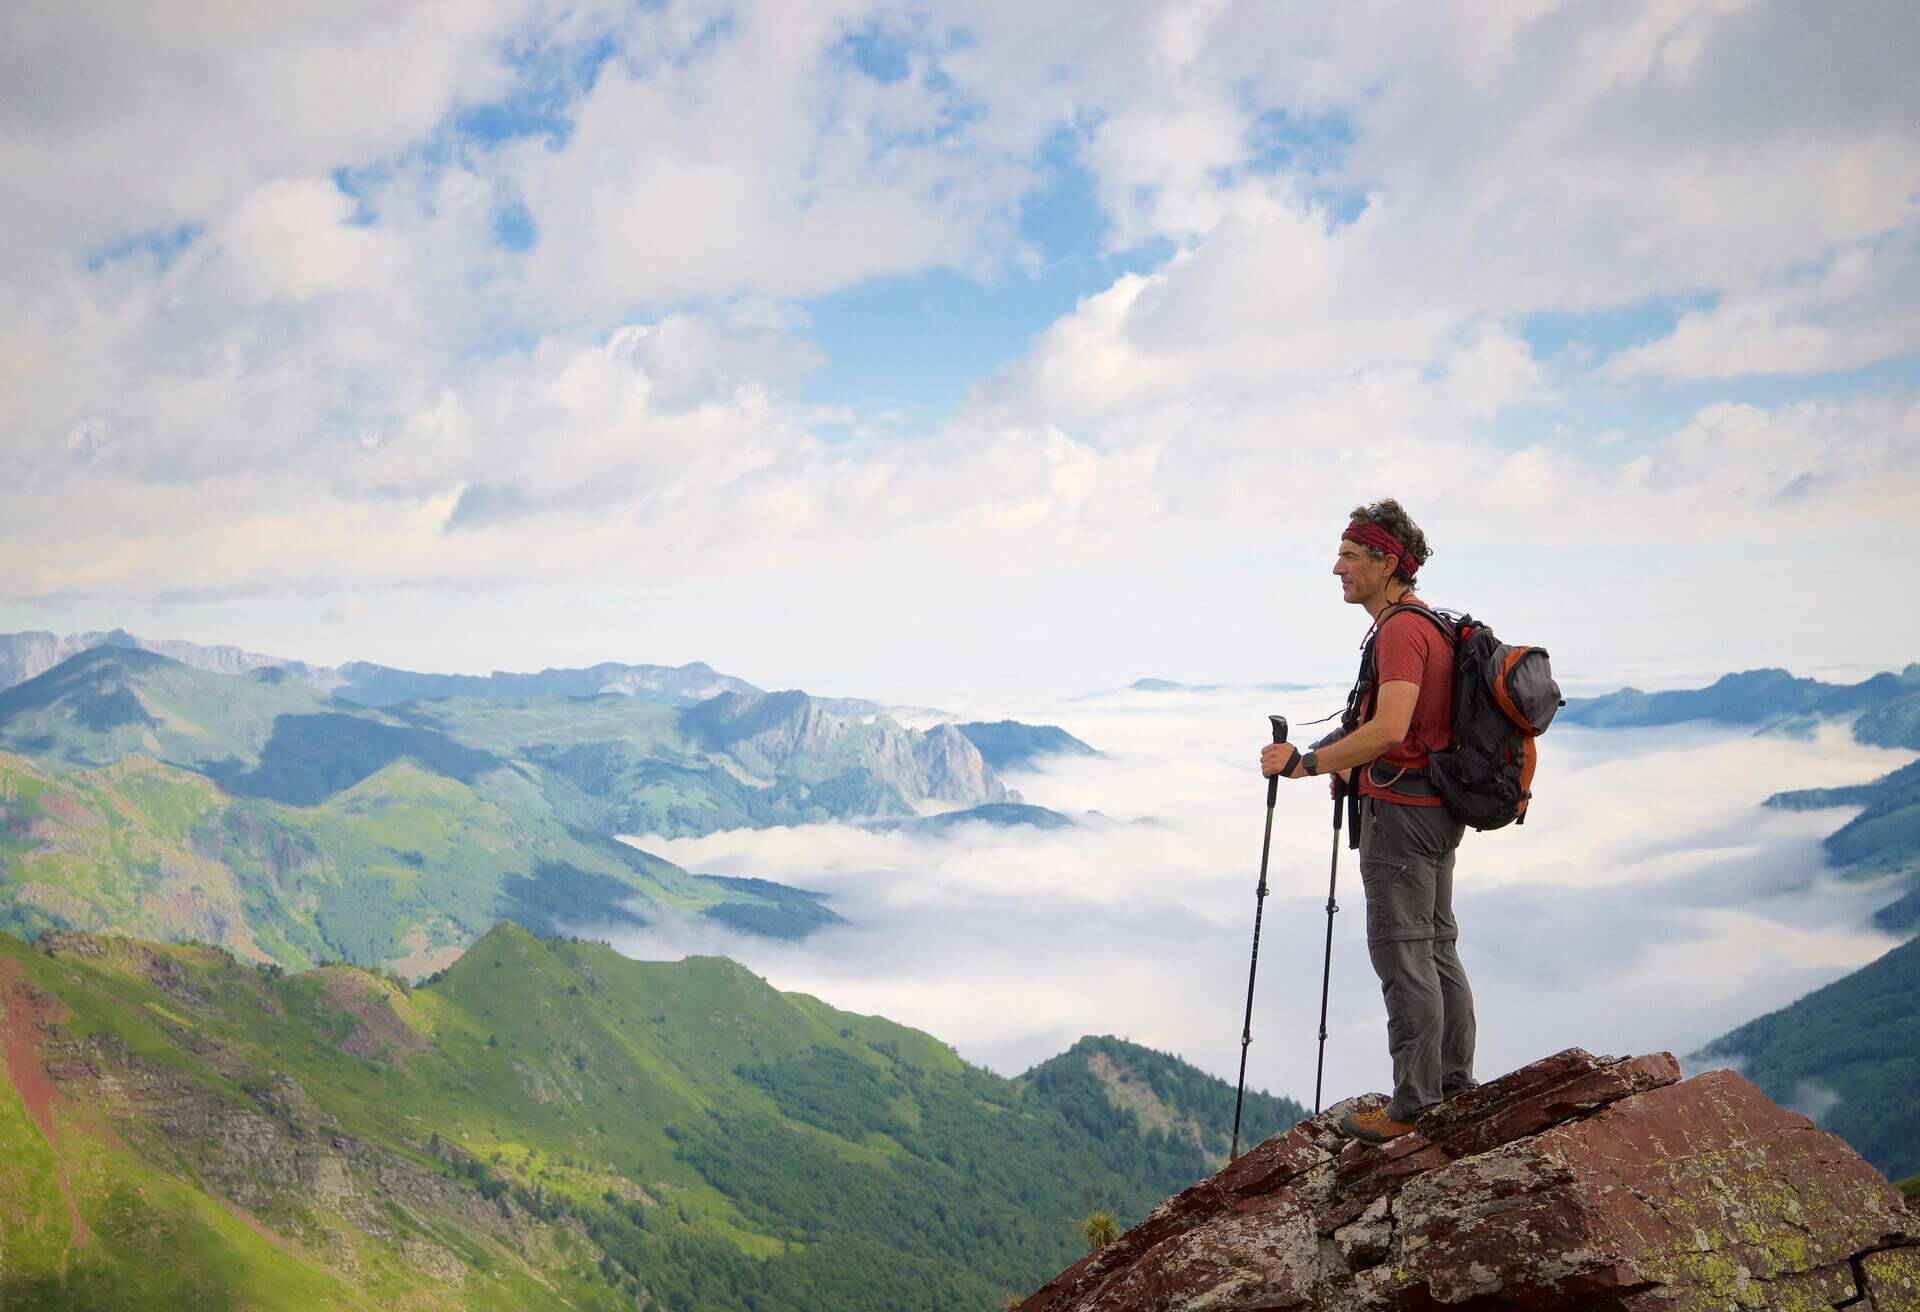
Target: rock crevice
(1574,1183)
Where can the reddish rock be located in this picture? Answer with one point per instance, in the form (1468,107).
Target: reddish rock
(1275,1162)
(1592,1084)
(1264,1258)
(1363,1174)
(1891,1279)
(1574,1183)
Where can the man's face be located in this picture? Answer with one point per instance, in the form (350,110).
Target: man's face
(1361,576)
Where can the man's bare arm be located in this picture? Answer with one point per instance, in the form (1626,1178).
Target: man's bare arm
(1386,729)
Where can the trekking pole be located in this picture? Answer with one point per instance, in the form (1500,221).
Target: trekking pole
(1279,723)
(1326,971)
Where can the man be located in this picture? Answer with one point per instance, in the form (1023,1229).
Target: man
(1405,834)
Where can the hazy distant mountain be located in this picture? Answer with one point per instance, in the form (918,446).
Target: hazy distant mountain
(677,685)
(25,655)
(1011,745)
(611,763)
(618,765)
(999,815)
(1885,712)
(1170,685)
(1888,705)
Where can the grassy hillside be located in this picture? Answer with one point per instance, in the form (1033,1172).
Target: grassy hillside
(545,1125)
(403,870)
(1849,1054)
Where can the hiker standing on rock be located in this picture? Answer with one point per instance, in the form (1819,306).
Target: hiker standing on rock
(1401,711)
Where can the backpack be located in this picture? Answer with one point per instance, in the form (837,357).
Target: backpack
(1503,698)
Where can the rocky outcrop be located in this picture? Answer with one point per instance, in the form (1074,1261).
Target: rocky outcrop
(784,729)
(1574,1183)
(948,768)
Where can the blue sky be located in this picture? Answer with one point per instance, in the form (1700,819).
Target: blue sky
(965,343)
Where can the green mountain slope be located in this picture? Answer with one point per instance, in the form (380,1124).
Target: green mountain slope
(402,870)
(105,703)
(1850,1055)
(545,1125)
(1884,839)
(1184,1115)
(260,734)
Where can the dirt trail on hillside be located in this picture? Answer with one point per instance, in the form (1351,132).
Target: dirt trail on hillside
(21,1013)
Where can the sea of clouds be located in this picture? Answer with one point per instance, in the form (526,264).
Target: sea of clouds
(1651,902)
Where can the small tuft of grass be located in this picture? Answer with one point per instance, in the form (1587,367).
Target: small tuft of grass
(1099,1228)
(1910,1186)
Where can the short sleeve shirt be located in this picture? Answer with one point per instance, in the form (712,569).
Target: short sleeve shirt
(1410,649)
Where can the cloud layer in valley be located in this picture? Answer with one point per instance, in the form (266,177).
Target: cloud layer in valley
(1651,903)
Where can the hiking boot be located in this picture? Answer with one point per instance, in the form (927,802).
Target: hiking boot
(1374,1127)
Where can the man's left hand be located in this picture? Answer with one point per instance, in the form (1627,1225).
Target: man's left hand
(1274,756)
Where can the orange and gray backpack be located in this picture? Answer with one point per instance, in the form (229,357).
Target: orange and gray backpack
(1503,698)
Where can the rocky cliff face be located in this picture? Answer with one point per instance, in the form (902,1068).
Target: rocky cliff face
(1574,1183)
(783,728)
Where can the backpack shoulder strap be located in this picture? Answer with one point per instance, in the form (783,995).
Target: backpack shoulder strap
(1438,620)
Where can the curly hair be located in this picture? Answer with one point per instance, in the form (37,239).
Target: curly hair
(1393,517)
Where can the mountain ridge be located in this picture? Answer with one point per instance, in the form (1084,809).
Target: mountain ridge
(1887,705)
(613,763)
(28,654)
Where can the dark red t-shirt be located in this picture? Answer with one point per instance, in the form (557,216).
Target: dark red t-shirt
(1410,649)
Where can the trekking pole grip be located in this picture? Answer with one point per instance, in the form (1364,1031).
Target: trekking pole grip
(1279,723)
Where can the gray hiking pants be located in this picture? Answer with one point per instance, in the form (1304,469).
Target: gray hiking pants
(1406,863)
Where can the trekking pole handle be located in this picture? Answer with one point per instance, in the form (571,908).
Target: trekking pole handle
(1279,723)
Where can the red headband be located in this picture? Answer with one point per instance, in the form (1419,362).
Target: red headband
(1372,535)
